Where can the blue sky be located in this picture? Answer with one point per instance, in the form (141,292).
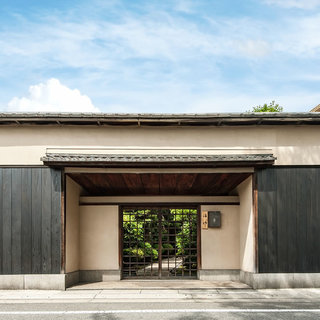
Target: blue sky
(159,56)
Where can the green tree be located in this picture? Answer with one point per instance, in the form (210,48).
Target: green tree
(271,107)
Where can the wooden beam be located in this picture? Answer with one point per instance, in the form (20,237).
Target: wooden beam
(255,219)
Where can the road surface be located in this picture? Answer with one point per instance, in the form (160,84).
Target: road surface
(161,304)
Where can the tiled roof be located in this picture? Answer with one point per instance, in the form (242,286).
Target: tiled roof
(154,159)
(316,109)
(153,119)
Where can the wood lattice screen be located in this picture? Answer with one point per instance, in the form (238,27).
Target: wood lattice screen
(159,242)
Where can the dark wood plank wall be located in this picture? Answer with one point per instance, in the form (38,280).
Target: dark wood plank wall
(289,219)
(1,221)
(30,226)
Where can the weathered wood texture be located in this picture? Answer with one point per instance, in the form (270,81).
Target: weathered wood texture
(289,219)
(130,184)
(30,226)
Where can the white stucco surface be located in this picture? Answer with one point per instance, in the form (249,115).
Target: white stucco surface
(72,225)
(99,238)
(220,246)
(24,145)
(247,247)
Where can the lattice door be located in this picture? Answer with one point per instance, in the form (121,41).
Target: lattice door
(159,242)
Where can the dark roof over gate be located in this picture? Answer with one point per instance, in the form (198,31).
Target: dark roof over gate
(153,119)
(159,184)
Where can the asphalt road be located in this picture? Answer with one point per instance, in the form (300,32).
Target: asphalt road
(196,305)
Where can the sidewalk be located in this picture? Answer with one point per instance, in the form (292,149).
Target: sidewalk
(147,295)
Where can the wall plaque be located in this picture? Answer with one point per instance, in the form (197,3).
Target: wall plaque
(204,220)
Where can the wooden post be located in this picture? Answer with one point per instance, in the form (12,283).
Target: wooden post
(199,260)
(120,229)
(159,213)
(63,222)
(255,219)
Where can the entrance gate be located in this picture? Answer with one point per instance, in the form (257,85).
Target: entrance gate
(159,242)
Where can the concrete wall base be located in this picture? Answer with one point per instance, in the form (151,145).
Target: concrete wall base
(12,282)
(254,280)
(72,278)
(219,275)
(280,280)
(99,275)
(33,281)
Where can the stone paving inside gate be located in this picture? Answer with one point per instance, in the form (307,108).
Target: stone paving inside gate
(160,285)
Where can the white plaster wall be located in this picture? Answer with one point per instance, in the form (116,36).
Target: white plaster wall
(99,237)
(247,248)
(220,246)
(72,225)
(291,144)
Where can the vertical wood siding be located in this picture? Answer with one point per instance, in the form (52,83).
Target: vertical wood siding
(30,226)
(289,219)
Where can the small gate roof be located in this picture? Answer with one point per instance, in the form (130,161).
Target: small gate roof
(144,160)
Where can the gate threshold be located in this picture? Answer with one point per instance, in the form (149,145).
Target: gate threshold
(159,285)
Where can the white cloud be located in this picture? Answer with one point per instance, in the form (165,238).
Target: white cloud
(300,4)
(300,37)
(253,48)
(185,6)
(52,96)
(106,45)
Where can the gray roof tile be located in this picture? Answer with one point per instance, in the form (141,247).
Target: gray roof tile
(118,159)
(214,119)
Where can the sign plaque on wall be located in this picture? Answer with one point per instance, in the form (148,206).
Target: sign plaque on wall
(204,220)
